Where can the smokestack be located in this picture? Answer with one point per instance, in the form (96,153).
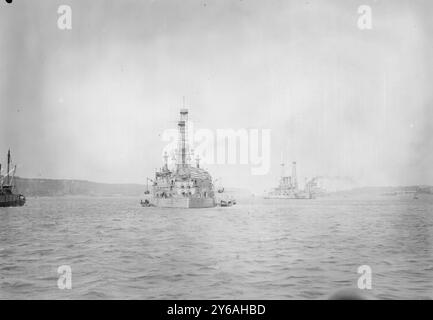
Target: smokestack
(294,178)
(197,161)
(165,161)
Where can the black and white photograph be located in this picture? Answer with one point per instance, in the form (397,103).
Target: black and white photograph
(241,150)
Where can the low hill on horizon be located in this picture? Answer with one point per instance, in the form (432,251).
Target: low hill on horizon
(36,187)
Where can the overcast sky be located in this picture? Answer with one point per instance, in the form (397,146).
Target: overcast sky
(92,102)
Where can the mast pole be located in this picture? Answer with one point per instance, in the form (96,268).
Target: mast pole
(9,161)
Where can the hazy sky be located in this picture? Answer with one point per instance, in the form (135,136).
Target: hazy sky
(92,102)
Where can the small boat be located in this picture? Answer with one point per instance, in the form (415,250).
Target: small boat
(146,203)
(224,203)
(8,197)
(227,202)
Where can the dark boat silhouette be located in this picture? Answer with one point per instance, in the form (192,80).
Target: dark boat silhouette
(8,197)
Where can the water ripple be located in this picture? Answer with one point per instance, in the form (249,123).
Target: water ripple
(262,250)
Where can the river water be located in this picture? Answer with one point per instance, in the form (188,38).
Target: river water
(258,249)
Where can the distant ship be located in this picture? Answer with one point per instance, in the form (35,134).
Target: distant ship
(185,186)
(288,187)
(8,197)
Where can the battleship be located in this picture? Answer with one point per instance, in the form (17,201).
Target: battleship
(184,186)
(8,197)
(288,187)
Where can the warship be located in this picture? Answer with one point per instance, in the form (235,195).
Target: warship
(288,187)
(184,186)
(8,197)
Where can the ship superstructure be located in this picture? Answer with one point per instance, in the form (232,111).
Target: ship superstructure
(288,187)
(184,186)
(8,196)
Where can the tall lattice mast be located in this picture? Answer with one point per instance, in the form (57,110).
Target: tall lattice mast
(183,148)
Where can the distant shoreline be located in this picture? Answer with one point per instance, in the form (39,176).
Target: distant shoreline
(40,187)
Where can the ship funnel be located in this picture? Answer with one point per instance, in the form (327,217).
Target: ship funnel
(165,161)
(294,178)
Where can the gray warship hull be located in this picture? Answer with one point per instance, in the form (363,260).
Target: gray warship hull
(11,200)
(288,187)
(290,197)
(183,202)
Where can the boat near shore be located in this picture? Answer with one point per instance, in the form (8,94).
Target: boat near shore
(8,195)
(226,202)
